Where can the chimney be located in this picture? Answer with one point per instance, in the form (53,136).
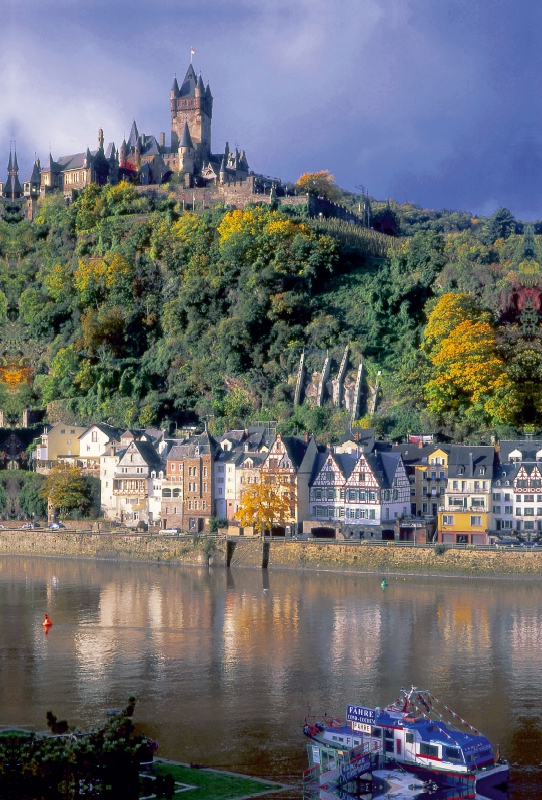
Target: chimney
(163,140)
(306,437)
(420,444)
(356,437)
(471,465)
(246,431)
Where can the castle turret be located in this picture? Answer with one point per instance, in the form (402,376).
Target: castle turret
(186,152)
(100,139)
(87,161)
(222,174)
(122,154)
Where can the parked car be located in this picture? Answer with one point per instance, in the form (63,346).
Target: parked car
(2,527)
(26,525)
(169,531)
(529,544)
(55,526)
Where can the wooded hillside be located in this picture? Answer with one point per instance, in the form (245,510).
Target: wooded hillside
(123,308)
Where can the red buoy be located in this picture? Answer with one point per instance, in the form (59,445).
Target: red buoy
(46,622)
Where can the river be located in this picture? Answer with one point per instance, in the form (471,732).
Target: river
(225,663)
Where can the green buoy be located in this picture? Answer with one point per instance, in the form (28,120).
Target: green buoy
(384,583)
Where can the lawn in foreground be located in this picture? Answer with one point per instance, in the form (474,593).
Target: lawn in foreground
(212,785)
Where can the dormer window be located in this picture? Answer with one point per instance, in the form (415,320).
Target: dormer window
(482,470)
(497,483)
(460,471)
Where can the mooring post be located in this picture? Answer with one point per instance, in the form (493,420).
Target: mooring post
(230,549)
(265,554)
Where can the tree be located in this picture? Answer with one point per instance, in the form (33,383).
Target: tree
(266,503)
(65,489)
(30,499)
(319,184)
(500,225)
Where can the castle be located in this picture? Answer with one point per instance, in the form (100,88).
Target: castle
(145,160)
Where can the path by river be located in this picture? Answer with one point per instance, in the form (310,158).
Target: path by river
(224,665)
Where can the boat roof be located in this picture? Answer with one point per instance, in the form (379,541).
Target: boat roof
(433,731)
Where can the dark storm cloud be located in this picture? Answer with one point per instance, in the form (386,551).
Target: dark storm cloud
(434,101)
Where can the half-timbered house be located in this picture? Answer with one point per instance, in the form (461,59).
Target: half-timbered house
(361,494)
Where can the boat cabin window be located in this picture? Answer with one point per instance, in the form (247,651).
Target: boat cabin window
(338,739)
(388,734)
(430,750)
(410,738)
(356,742)
(377,732)
(452,754)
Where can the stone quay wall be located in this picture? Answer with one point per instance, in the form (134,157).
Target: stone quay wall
(113,547)
(382,559)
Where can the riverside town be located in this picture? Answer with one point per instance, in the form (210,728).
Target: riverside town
(205,368)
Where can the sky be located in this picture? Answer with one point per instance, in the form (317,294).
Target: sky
(436,102)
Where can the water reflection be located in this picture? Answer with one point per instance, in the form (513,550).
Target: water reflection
(224,662)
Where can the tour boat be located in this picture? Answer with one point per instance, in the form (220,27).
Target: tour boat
(413,733)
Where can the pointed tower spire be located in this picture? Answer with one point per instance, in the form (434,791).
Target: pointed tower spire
(15,164)
(186,139)
(175,87)
(10,163)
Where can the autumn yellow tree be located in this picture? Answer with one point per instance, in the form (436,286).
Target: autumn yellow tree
(319,184)
(65,489)
(450,310)
(267,503)
(470,377)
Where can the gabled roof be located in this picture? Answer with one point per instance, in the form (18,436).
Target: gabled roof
(189,84)
(108,430)
(319,461)
(390,462)
(296,447)
(147,452)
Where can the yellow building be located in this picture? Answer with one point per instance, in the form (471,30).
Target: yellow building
(467,514)
(57,442)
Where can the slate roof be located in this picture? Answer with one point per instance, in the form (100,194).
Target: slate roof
(346,463)
(296,447)
(467,462)
(186,139)
(413,455)
(188,85)
(527,447)
(148,453)
(204,444)
(366,437)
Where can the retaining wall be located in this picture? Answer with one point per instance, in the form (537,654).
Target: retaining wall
(281,554)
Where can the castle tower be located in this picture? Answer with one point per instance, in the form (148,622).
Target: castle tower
(192,104)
